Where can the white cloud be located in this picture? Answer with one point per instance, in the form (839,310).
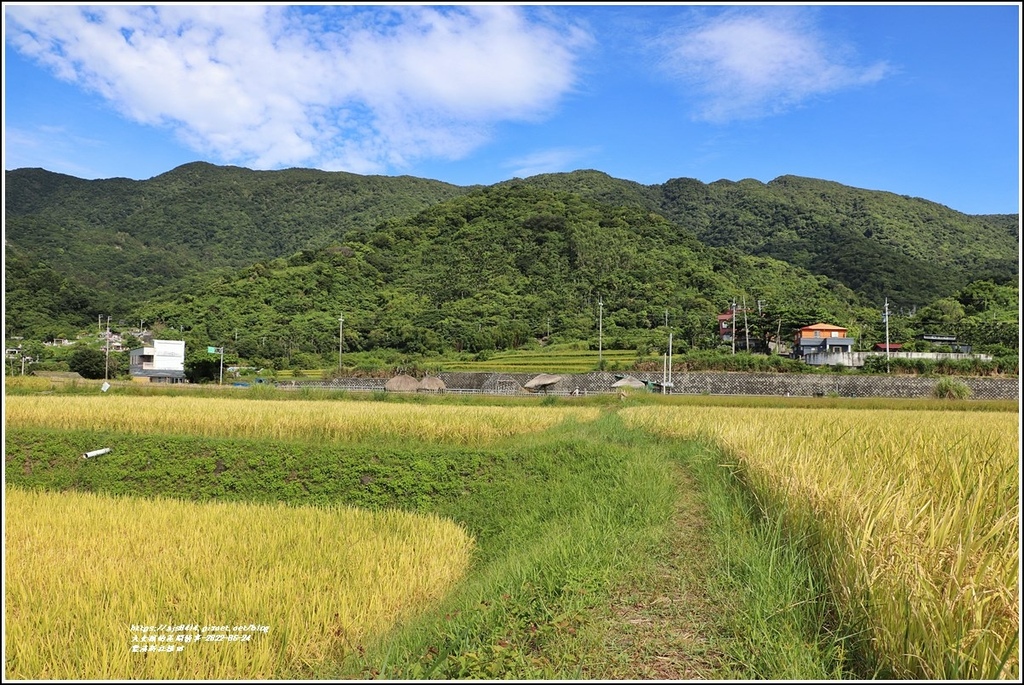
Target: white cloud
(47,147)
(744,64)
(549,161)
(366,89)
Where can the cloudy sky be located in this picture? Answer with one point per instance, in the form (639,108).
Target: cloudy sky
(920,100)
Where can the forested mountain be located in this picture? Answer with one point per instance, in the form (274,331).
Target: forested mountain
(417,263)
(879,244)
(134,237)
(494,269)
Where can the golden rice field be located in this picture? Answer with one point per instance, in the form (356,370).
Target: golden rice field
(914,514)
(85,573)
(285,419)
(34,383)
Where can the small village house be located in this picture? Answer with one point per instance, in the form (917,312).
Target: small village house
(819,341)
(733,327)
(160,361)
(947,341)
(725,329)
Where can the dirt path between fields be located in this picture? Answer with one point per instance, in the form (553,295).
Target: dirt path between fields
(666,623)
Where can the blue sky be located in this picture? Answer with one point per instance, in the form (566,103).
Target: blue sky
(920,99)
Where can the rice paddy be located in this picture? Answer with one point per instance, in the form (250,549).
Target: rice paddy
(914,515)
(285,419)
(104,588)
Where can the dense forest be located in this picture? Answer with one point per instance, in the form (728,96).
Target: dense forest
(879,244)
(268,262)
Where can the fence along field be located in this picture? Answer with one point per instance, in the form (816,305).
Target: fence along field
(914,515)
(285,419)
(83,570)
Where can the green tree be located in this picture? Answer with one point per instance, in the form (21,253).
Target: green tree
(88,362)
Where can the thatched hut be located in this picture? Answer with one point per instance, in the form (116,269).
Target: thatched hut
(542,382)
(629,382)
(59,375)
(432,384)
(501,383)
(402,383)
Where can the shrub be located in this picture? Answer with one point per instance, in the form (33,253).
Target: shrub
(951,389)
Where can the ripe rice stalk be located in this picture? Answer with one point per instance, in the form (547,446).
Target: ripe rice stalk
(914,515)
(85,573)
(287,420)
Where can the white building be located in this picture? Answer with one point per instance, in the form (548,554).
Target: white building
(161,361)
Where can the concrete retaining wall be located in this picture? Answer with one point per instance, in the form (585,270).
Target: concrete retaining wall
(710,383)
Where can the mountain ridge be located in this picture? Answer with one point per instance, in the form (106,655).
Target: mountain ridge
(120,243)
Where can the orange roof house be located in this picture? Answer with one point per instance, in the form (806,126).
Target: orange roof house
(819,338)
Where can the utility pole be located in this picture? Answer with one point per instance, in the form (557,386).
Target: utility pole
(600,333)
(666,379)
(765,335)
(341,337)
(885,316)
(670,362)
(746,329)
(214,350)
(734,326)
(106,356)
(664,372)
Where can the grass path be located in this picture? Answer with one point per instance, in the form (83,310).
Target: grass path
(718,596)
(665,623)
(704,590)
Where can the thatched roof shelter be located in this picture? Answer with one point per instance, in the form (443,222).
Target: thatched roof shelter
(501,383)
(432,384)
(542,382)
(59,375)
(402,383)
(629,382)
